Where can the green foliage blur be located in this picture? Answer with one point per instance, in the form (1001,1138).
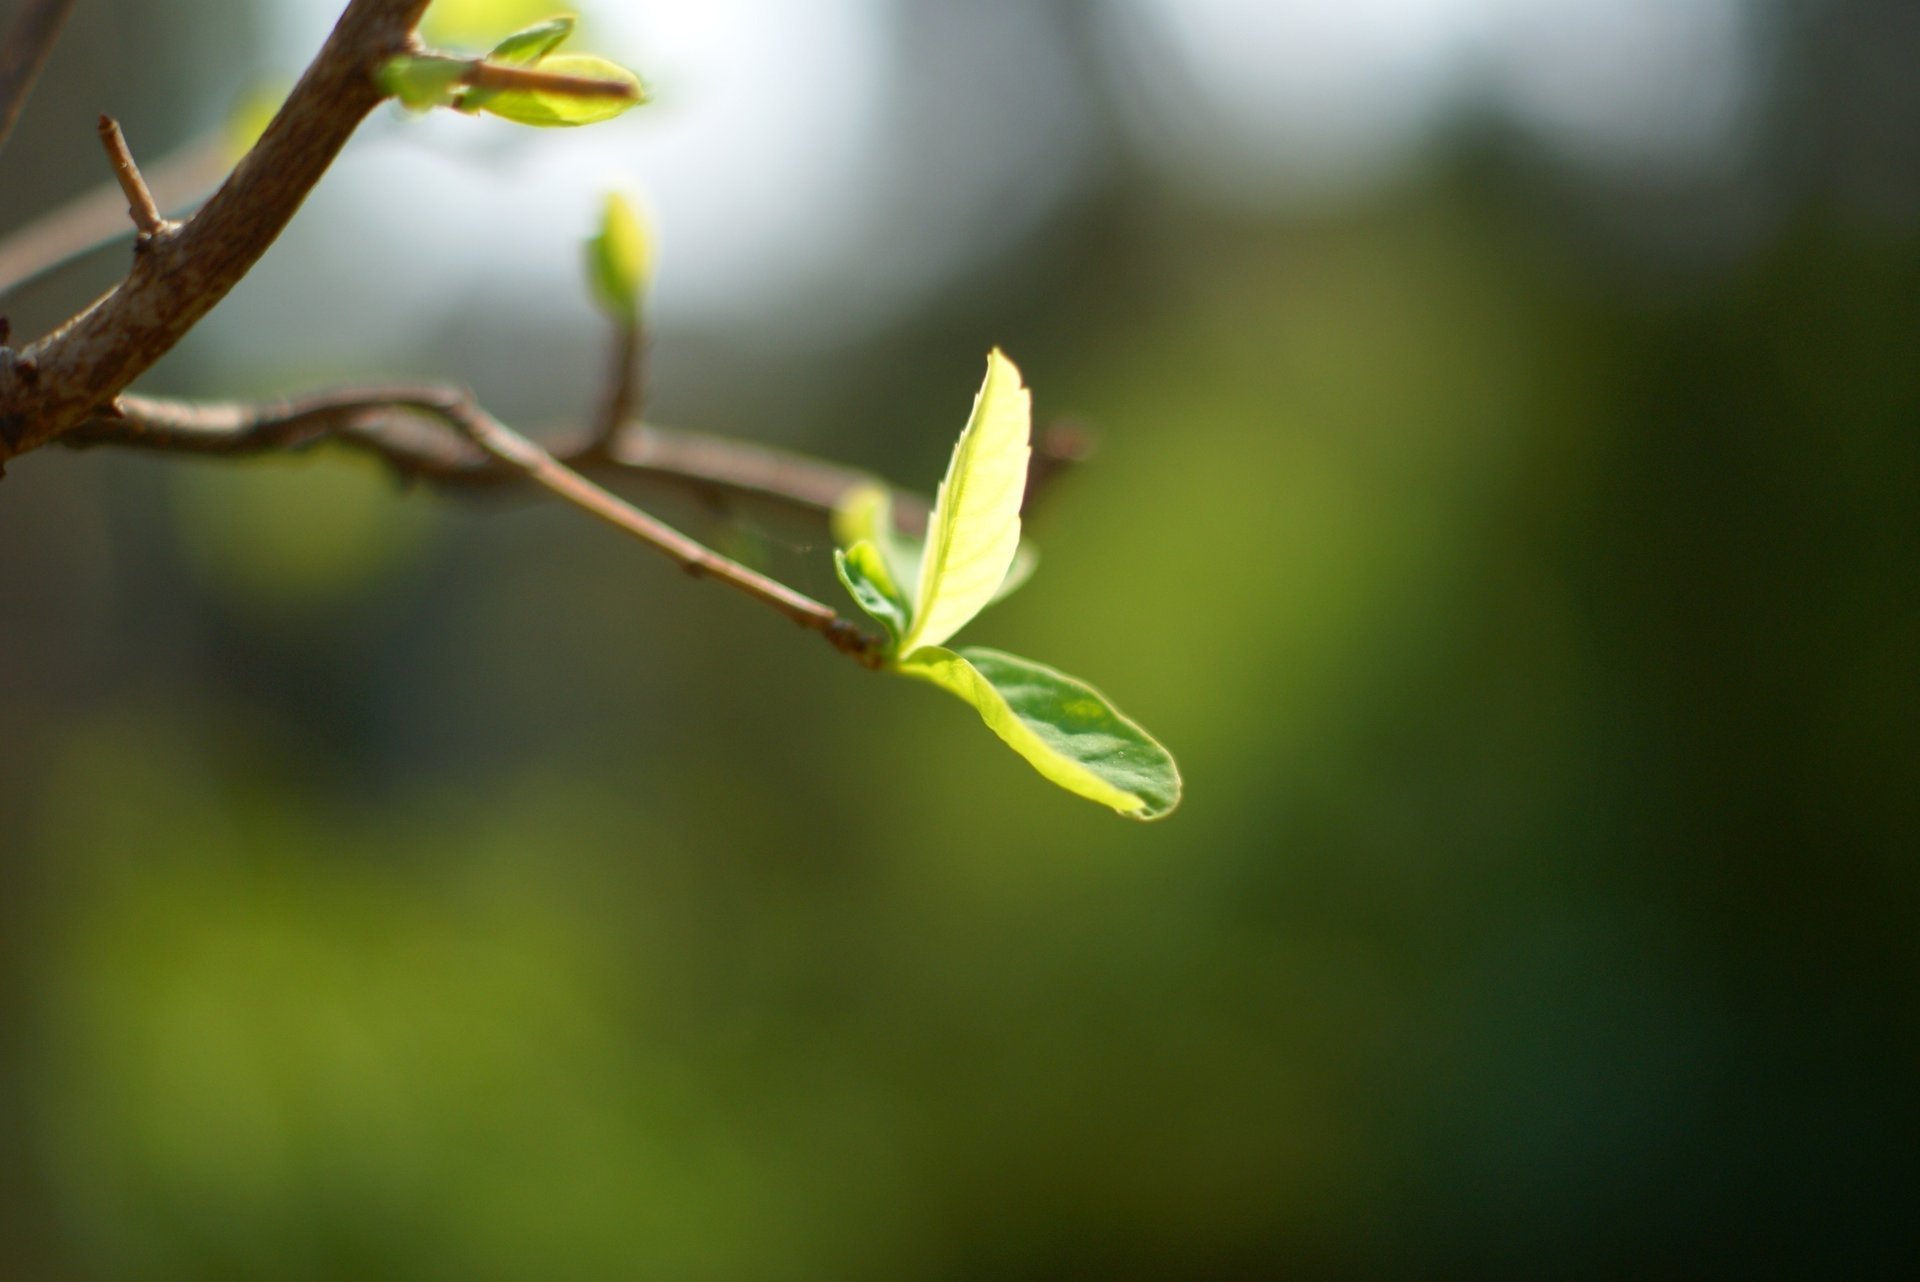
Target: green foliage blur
(398,888)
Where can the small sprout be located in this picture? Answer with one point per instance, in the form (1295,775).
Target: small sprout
(521,79)
(1064,728)
(424,82)
(620,260)
(531,44)
(524,48)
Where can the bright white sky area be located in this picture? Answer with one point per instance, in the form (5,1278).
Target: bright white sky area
(815,166)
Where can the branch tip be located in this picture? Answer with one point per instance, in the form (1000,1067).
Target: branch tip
(500,77)
(140,204)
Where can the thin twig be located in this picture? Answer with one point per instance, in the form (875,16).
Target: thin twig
(24,52)
(377,421)
(382,422)
(146,214)
(98,217)
(626,374)
(515,450)
(499,77)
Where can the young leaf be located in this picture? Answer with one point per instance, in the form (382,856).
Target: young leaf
(867,513)
(1063,727)
(531,44)
(523,48)
(551,110)
(620,260)
(423,83)
(863,572)
(975,527)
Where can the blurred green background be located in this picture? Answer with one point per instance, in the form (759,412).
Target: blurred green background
(1507,508)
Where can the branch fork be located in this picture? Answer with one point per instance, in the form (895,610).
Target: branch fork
(70,385)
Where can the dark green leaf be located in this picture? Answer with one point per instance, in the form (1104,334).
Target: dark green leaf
(1066,729)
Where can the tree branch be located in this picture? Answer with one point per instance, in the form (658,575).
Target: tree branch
(516,451)
(24,52)
(383,422)
(178,276)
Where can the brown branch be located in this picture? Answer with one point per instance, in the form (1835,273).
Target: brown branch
(98,217)
(24,52)
(508,446)
(145,214)
(387,422)
(377,421)
(381,422)
(178,277)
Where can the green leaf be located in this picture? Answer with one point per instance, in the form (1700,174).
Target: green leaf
(620,260)
(864,573)
(975,527)
(531,44)
(865,514)
(1063,727)
(521,49)
(551,110)
(422,83)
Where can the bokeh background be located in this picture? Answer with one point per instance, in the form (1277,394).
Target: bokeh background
(1507,508)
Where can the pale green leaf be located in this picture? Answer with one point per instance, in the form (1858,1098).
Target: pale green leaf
(620,259)
(863,572)
(865,513)
(530,44)
(551,110)
(1066,729)
(975,527)
(523,48)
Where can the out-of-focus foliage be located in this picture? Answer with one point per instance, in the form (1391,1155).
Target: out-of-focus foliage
(620,259)
(477,24)
(1528,589)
